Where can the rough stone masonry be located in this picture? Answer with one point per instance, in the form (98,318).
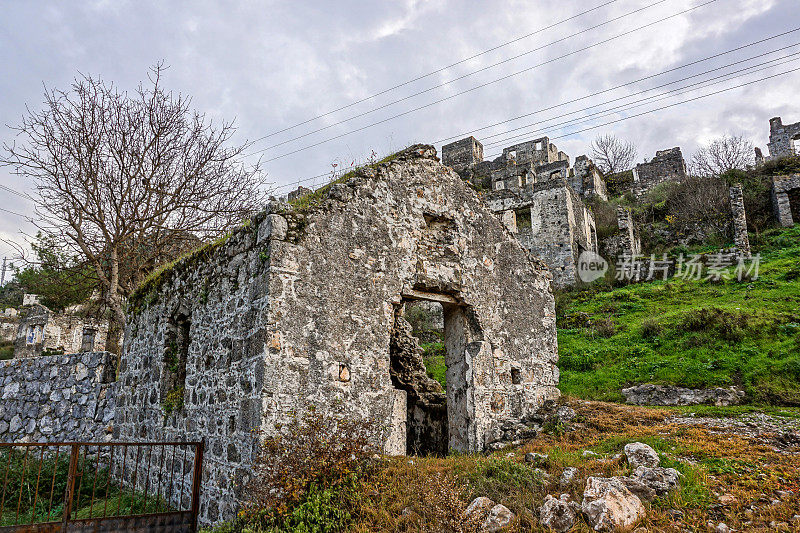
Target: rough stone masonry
(305,307)
(57,398)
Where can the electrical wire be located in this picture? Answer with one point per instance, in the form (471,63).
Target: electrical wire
(472,73)
(683,12)
(437,71)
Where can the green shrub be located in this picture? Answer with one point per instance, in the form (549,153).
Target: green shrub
(302,471)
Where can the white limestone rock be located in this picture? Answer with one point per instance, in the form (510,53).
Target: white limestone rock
(608,505)
(661,480)
(499,517)
(558,514)
(640,454)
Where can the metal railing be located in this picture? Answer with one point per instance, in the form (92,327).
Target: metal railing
(112,486)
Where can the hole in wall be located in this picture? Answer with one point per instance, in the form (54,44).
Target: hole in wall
(427,356)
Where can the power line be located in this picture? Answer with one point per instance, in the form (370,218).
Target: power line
(671,105)
(437,71)
(655,97)
(484,84)
(472,73)
(17,214)
(633,105)
(294,183)
(21,194)
(598,93)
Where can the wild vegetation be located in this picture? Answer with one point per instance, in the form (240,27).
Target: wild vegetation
(693,333)
(724,478)
(26,500)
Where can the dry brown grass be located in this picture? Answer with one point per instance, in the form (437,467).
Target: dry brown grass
(713,465)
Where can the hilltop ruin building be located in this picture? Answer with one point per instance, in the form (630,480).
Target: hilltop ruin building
(41,331)
(537,194)
(784,140)
(667,165)
(305,306)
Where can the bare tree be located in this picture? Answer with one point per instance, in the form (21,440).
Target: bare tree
(131,181)
(612,155)
(721,155)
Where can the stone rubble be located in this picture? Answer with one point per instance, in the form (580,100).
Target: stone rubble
(640,454)
(649,394)
(608,505)
(559,514)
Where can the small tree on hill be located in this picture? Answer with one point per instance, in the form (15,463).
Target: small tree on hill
(129,181)
(730,152)
(60,279)
(612,155)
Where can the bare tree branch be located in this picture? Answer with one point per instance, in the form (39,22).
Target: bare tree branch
(131,181)
(721,155)
(612,155)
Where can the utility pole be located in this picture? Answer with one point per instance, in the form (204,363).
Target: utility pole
(3,275)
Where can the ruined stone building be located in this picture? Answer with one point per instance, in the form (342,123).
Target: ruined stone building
(784,140)
(532,187)
(40,330)
(667,165)
(786,199)
(305,306)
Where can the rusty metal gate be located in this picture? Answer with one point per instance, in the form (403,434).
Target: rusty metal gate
(100,487)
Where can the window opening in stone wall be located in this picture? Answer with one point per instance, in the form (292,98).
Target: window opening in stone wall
(34,334)
(794,203)
(87,341)
(427,355)
(524,222)
(176,352)
(795,145)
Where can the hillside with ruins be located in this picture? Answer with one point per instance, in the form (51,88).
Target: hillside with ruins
(402,266)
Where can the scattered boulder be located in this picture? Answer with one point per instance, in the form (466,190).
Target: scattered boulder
(642,491)
(589,454)
(568,475)
(558,514)
(649,394)
(565,413)
(536,458)
(722,527)
(661,480)
(499,517)
(480,505)
(609,505)
(640,454)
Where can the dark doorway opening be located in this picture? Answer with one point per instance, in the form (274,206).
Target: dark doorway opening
(794,204)
(428,362)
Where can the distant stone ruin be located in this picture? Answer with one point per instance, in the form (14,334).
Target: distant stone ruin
(667,165)
(532,187)
(305,306)
(40,330)
(784,140)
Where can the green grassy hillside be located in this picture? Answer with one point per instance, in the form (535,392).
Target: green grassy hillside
(689,333)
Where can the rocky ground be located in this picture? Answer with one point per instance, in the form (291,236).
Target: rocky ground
(611,466)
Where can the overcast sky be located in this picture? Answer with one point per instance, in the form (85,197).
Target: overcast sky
(270,65)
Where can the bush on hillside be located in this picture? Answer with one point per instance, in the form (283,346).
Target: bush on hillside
(307,474)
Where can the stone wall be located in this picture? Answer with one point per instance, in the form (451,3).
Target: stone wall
(304,307)
(667,165)
(40,330)
(786,199)
(551,221)
(58,398)
(739,221)
(462,154)
(587,180)
(784,139)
